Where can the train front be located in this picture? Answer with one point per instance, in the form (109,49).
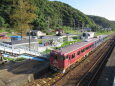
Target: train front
(56,60)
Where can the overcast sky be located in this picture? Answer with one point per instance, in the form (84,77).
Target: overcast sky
(104,8)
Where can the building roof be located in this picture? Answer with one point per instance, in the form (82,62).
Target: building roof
(25,41)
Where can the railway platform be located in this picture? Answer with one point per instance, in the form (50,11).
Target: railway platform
(107,77)
(19,73)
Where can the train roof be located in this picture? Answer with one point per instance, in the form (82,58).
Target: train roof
(75,46)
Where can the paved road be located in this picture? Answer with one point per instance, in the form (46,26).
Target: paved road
(108,74)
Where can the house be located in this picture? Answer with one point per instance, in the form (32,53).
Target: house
(36,33)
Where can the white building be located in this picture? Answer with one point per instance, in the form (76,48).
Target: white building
(36,33)
(88,35)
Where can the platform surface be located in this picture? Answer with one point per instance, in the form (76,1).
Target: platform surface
(107,77)
(19,73)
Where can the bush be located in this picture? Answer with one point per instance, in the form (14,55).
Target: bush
(13,59)
(9,59)
(20,59)
(47,51)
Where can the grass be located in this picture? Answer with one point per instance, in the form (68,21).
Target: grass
(14,59)
(20,59)
(104,33)
(9,59)
(7,30)
(71,31)
(47,51)
(40,41)
(66,43)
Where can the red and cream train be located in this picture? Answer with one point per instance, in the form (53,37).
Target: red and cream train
(63,58)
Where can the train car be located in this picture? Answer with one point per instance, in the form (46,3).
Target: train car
(63,58)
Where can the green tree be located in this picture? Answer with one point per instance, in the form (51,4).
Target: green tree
(2,22)
(23,15)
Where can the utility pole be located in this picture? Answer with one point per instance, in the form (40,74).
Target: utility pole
(78,25)
(21,19)
(74,24)
(29,39)
(82,26)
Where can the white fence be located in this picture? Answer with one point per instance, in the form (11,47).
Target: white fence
(18,49)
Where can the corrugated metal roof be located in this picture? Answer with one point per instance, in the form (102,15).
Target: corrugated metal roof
(23,41)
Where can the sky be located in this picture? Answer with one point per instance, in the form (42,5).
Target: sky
(103,8)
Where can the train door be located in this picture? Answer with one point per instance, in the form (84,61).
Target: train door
(67,61)
(61,61)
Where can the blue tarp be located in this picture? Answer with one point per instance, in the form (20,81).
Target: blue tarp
(5,55)
(30,57)
(24,56)
(16,38)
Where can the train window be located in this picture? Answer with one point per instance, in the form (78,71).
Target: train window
(61,58)
(67,57)
(55,57)
(73,55)
(78,53)
(52,55)
(92,45)
(82,50)
(87,48)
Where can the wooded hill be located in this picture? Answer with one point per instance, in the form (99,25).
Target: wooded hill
(103,22)
(53,14)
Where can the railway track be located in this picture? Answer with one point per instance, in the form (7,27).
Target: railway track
(82,68)
(100,62)
(73,75)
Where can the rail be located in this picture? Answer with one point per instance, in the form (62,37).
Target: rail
(102,56)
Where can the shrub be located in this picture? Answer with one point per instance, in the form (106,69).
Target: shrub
(20,59)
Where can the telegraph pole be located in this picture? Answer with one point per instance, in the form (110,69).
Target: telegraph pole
(29,40)
(74,24)
(82,26)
